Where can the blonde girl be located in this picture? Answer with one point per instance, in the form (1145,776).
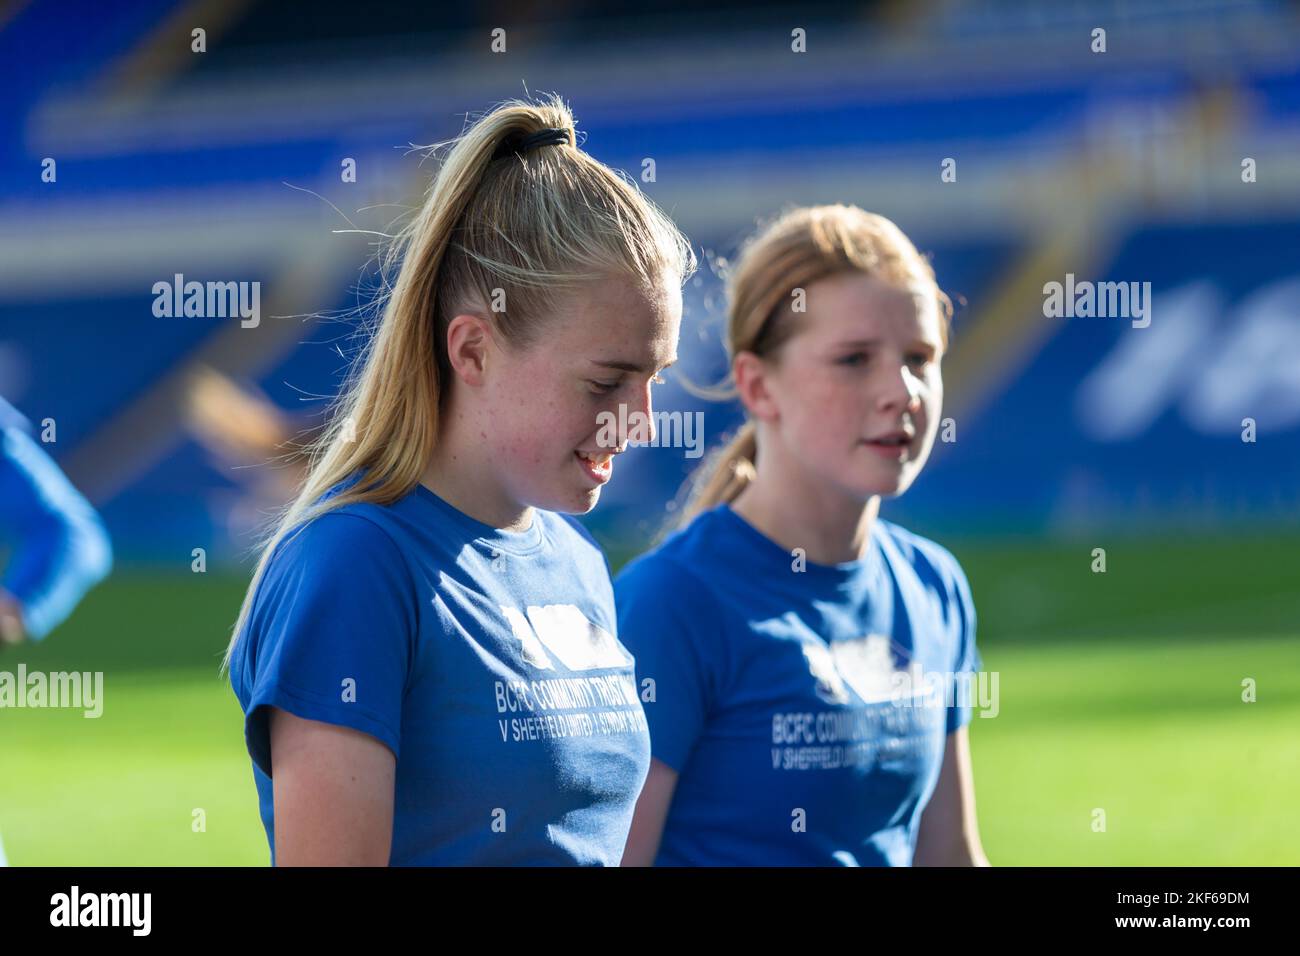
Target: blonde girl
(426,655)
(809,660)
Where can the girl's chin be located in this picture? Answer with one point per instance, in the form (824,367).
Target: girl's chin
(588,499)
(865,486)
(574,501)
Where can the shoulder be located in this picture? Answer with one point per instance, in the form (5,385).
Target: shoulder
(670,568)
(346,547)
(921,552)
(678,627)
(331,578)
(352,528)
(930,561)
(356,524)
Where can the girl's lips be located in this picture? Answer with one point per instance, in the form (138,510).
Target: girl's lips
(894,452)
(599,469)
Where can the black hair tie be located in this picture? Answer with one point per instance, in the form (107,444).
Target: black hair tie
(550,136)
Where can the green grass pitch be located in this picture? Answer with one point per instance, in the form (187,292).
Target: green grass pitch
(1119,692)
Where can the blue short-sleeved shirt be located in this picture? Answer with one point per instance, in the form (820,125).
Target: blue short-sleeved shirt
(60,549)
(805,707)
(485,660)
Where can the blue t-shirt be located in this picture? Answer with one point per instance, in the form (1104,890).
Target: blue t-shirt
(59,548)
(805,707)
(486,660)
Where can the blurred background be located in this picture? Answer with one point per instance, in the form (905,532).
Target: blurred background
(1173,157)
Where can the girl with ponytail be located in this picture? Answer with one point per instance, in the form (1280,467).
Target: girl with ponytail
(810,662)
(426,656)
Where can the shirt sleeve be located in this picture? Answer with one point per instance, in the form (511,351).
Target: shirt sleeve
(60,549)
(331,633)
(967,662)
(663,619)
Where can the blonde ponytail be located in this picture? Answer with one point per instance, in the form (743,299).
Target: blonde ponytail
(532,224)
(724,475)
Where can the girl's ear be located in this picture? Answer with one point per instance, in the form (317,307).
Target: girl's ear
(750,374)
(468,343)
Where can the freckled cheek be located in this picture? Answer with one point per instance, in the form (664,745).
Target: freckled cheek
(824,434)
(549,429)
(811,398)
(526,452)
(827,413)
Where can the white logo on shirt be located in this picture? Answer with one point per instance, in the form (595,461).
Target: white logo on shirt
(578,643)
(532,650)
(865,664)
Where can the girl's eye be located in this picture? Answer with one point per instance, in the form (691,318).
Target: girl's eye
(919,358)
(603,388)
(857,358)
